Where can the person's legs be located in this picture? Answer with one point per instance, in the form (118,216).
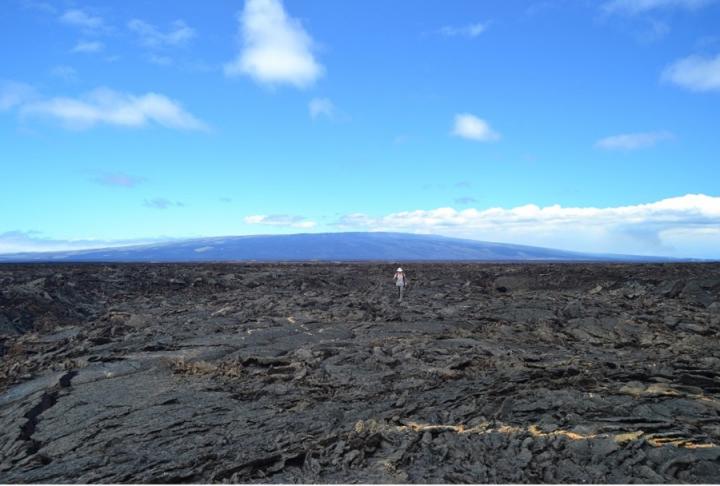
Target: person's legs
(402,290)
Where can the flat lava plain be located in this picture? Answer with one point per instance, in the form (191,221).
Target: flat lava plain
(315,373)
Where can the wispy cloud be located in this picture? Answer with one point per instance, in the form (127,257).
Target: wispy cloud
(471,30)
(38,6)
(321,107)
(107,107)
(226,200)
(88,47)
(280,220)
(66,73)
(35,241)
(159,59)
(633,141)
(695,73)
(632,7)
(465,200)
(118,179)
(83,20)
(647,29)
(275,47)
(402,139)
(656,29)
(666,226)
(162,203)
(13,94)
(473,128)
(150,36)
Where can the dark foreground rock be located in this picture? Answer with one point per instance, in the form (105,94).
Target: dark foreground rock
(315,373)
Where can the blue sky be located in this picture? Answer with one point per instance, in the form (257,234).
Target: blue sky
(587,126)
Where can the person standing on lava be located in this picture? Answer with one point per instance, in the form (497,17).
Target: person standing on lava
(401,282)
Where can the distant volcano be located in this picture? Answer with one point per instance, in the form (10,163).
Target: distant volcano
(321,247)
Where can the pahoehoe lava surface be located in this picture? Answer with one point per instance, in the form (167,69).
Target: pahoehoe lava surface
(315,373)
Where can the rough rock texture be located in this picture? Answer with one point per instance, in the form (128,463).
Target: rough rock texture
(315,373)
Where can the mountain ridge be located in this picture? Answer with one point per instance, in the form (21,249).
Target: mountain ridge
(341,246)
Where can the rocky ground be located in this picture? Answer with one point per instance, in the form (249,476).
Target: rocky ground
(315,373)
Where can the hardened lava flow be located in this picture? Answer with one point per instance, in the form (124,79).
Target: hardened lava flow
(316,373)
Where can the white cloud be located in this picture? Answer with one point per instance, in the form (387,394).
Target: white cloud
(81,19)
(88,47)
(695,73)
(474,128)
(275,47)
(321,107)
(13,94)
(633,141)
(683,226)
(105,106)
(640,6)
(179,34)
(34,241)
(280,220)
(472,30)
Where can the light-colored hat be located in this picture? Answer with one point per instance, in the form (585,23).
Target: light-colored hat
(399,269)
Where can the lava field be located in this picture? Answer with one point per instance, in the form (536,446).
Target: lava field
(316,373)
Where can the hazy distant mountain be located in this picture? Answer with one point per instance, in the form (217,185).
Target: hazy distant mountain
(321,246)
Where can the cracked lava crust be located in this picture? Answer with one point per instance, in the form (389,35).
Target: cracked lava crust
(316,373)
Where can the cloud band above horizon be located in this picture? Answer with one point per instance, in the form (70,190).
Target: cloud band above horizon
(678,226)
(684,227)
